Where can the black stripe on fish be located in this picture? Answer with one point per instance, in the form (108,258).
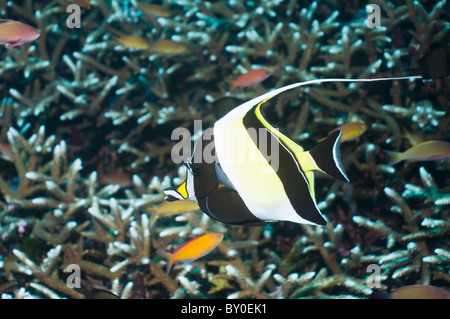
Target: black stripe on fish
(226,205)
(204,174)
(289,171)
(214,192)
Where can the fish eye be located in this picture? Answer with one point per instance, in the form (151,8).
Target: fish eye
(194,171)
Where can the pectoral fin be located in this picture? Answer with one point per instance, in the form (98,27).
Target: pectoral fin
(225,205)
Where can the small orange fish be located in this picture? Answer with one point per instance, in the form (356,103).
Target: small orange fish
(154,9)
(5,150)
(425,151)
(420,292)
(167,47)
(82,3)
(174,208)
(133,41)
(14,33)
(250,78)
(117,178)
(350,131)
(192,249)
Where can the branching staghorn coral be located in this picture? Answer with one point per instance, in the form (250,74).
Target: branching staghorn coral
(139,246)
(43,273)
(54,178)
(56,181)
(422,113)
(418,234)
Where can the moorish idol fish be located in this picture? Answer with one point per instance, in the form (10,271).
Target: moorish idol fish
(258,189)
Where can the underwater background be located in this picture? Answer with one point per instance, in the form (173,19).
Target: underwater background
(86,116)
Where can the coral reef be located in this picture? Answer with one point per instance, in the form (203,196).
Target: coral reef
(85,142)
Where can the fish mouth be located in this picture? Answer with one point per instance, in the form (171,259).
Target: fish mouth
(34,37)
(170,198)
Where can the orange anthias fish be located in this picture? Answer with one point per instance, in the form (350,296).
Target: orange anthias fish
(420,292)
(425,151)
(167,47)
(133,41)
(192,249)
(120,178)
(250,78)
(5,150)
(174,208)
(14,33)
(82,3)
(350,131)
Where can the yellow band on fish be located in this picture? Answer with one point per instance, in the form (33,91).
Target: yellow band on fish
(182,190)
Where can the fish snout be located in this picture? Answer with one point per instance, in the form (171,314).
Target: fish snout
(34,35)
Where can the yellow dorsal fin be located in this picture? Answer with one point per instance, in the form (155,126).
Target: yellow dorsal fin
(303,157)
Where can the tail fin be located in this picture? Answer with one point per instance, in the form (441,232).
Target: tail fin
(393,157)
(154,216)
(232,83)
(169,257)
(155,211)
(327,156)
